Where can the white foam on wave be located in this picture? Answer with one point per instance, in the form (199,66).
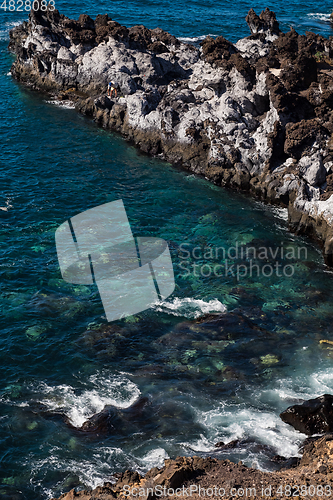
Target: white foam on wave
(194,38)
(11,24)
(190,308)
(95,471)
(322,381)
(7,206)
(154,458)
(281,213)
(103,389)
(290,390)
(201,445)
(62,104)
(228,423)
(92,473)
(320,16)
(5,29)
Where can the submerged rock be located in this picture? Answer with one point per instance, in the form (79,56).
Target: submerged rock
(312,417)
(36,331)
(269,359)
(104,340)
(54,304)
(111,418)
(255,115)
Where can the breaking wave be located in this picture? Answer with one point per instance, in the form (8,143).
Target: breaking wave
(194,38)
(104,389)
(190,308)
(319,16)
(62,104)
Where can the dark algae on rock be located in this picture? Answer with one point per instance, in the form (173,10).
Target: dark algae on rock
(255,115)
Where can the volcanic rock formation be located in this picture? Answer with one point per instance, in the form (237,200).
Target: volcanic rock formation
(255,115)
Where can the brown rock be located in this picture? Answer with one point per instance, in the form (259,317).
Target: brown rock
(318,453)
(217,50)
(265,22)
(302,135)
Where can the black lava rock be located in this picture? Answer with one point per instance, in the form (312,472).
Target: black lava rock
(311,417)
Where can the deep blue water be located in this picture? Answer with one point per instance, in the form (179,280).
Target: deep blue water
(56,347)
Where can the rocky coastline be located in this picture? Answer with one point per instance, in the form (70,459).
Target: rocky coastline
(308,477)
(254,116)
(197,477)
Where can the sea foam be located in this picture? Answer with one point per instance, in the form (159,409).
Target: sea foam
(103,389)
(190,308)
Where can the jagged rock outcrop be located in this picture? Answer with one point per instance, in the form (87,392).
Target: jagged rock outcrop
(311,417)
(263,23)
(206,476)
(255,115)
(313,472)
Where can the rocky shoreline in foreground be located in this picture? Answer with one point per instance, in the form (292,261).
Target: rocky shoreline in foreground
(255,115)
(198,477)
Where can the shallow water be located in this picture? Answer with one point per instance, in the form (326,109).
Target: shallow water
(218,383)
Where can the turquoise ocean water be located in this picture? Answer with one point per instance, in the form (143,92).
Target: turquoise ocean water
(57,350)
